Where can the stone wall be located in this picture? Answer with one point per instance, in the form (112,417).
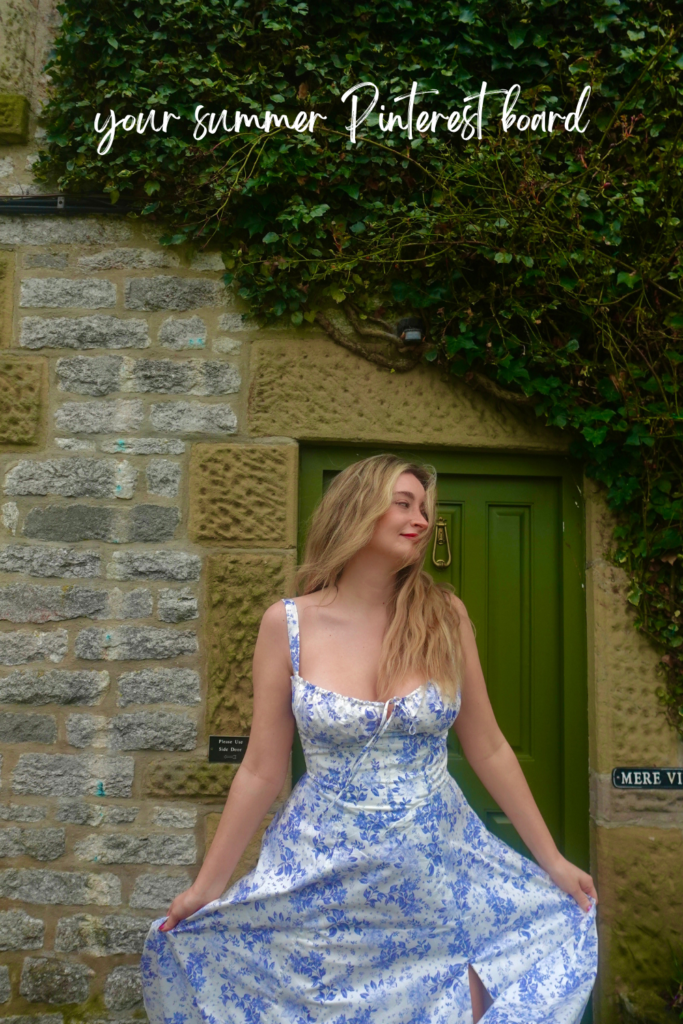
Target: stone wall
(149,441)
(135,562)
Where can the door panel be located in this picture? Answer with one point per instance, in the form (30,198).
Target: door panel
(513,527)
(506,567)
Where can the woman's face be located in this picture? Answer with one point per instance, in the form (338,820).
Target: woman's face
(398,532)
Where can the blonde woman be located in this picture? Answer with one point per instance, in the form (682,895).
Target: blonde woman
(379,896)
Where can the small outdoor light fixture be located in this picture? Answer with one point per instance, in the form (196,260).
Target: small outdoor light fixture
(410,330)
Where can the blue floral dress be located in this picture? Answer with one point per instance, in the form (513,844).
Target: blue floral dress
(376,886)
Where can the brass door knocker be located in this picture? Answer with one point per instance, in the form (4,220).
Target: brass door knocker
(441,539)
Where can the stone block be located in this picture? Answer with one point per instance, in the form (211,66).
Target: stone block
(90,375)
(27,728)
(123,989)
(119,815)
(207,261)
(239,589)
(71,888)
(244,494)
(63,230)
(226,345)
(193,418)
(630,728)
(39,843)
(10,516)
(6,167)
(83,332)
(26,602)
(177,605)
(22,812)
(233,322)
(78,812)
(159,686)
(75,444)
(218,379)
(309,389)
(72,522)
(54,981)
(129,604)
(165,292)
(161,376)
(249,858)
(175,817)
(124,848)
(125,643)
(641,899)
(144,446)
(72,774)
(21,399)
(54,686)
(157,892)
(163,477)
(99,417)
(154,565)
(39,560)
(46,260)
(153,523)
(5,985)
(87,730)
(658,808)
(143,730)
(153,730)
(62,292)
(187,376)
(176,333)
(20,931)
(17,648)
(188,777)
(14,111)
(126,258)
(101,936)
(73,477)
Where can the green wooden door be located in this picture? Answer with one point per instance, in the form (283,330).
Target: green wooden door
(504,538)
(514,529)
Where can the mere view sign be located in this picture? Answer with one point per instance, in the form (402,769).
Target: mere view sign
(647,778)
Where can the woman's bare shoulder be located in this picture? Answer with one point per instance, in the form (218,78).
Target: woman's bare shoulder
(275,614)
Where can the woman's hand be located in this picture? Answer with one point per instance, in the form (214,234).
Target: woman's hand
(574,881)
(185,904)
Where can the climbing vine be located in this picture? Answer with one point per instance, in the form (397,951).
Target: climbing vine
(546,266)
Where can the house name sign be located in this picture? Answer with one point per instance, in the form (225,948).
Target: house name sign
(647,778)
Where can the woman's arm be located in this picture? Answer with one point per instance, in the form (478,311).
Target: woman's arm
(261,775)
(495,763)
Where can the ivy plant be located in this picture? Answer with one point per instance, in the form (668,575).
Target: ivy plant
(546,265)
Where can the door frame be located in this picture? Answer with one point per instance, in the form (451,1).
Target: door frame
(315,458)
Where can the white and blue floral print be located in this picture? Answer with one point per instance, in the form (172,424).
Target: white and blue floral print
(376,886)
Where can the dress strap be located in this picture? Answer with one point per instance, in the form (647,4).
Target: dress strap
(292,631)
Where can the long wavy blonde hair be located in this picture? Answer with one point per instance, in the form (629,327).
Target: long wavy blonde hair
(422,634)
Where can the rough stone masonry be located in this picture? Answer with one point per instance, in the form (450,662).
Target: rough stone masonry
(143,531)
